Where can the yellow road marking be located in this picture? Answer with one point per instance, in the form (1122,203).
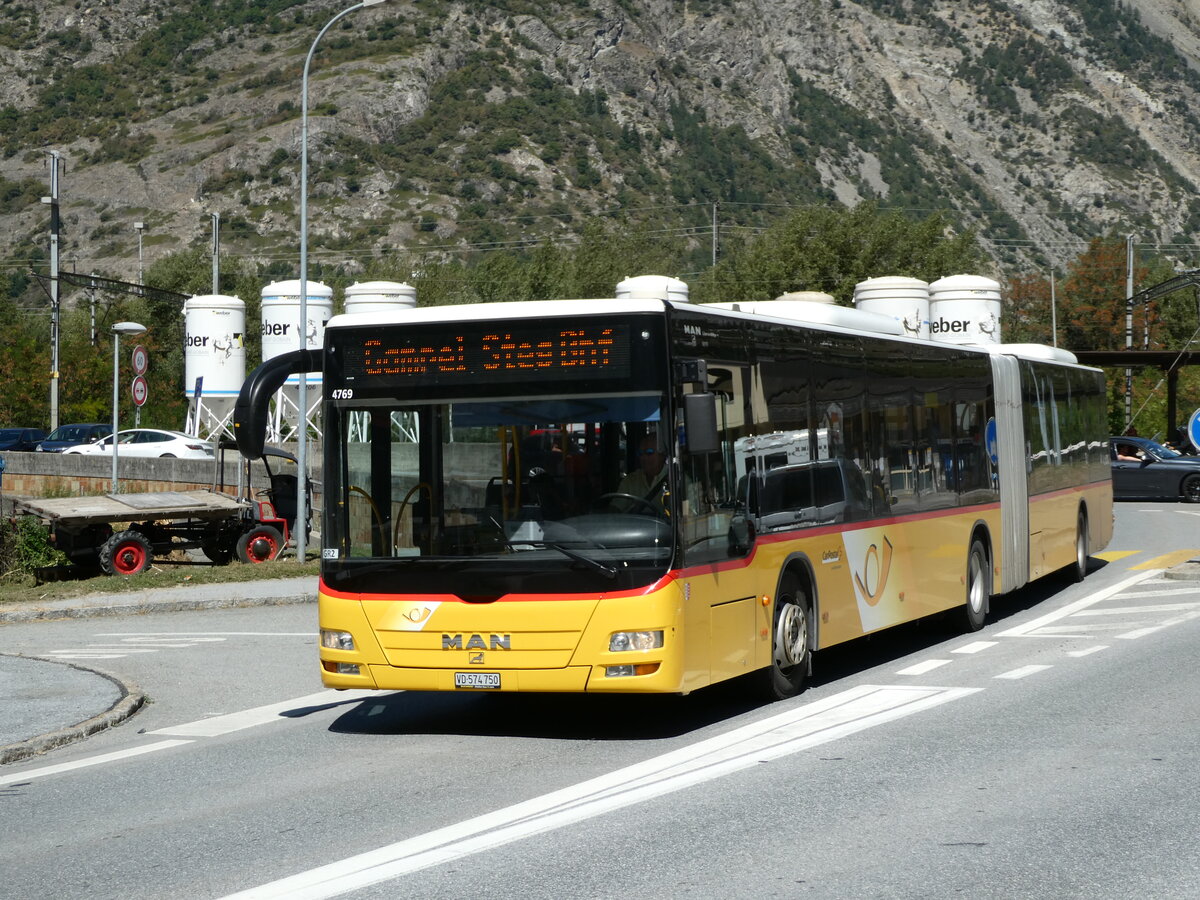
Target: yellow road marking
(1114,555)
(1167,560)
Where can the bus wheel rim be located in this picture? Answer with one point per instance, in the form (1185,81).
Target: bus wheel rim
(791,636)
(975,593)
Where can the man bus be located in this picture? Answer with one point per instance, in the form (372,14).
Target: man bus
(825,478)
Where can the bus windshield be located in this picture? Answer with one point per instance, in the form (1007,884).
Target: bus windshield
(492,495)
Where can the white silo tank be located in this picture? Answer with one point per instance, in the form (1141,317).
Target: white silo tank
(214,329)
(904,299)
(808,297)
(653,287)
(965,309)
(281,320)
(379,297)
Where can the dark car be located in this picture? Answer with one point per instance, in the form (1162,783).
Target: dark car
(1146,470)
(65,436)
(20,440)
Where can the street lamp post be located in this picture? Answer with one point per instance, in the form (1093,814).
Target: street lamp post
(302,394)
(130,328)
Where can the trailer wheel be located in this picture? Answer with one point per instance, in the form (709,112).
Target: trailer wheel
(260,544)
(218,552)
(125,553)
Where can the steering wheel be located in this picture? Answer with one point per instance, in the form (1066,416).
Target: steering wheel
(640,501)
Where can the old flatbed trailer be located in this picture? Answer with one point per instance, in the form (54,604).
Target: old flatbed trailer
(157,523)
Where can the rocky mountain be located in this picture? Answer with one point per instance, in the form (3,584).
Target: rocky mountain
(454,127)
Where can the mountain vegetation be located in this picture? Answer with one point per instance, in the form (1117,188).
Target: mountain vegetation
(518,149)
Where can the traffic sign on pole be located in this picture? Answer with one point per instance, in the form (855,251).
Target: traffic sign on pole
(1193,429)
(140,389)
(141,360)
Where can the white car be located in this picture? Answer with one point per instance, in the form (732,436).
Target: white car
(148,442)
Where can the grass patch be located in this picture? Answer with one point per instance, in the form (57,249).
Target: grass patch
(21,588)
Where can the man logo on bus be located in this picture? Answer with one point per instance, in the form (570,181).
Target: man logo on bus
(872,562)
(476,642)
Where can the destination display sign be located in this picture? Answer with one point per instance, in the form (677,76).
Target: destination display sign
(471,352)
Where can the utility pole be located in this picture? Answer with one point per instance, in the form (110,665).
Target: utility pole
(216,252)
(1053,313)
(714,233)
(55,309)
(1128,329)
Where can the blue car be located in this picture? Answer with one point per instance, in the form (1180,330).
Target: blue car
(65,436)
(20,440)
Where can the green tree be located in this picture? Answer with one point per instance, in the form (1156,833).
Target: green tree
(832,249)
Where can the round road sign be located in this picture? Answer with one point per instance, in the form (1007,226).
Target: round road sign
(140,389)
(140,360)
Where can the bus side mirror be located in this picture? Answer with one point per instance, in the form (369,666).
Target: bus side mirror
(700,422)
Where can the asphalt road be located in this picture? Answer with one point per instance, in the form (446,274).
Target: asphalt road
(1050,755)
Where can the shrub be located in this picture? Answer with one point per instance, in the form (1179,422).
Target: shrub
(25,545)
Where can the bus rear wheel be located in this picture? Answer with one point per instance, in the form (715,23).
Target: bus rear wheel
(974,611)
(1079,569)
(791,650)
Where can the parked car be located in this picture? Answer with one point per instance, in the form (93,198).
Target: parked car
(148,442)
(1146,470)
(20,440)
(65,436)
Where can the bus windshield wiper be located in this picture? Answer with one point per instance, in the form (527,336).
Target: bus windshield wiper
(595,565)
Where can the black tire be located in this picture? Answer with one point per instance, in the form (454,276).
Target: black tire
(973,612)
(791,644)
(1078,569)
(167,456)
(126,553)
(260,544)
(219,553)
(1190,489)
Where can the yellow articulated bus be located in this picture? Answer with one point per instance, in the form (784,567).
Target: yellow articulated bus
(650,495)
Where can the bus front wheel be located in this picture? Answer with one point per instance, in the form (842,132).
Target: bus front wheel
(791,651)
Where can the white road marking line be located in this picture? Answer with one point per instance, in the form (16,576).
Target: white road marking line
(1089,651)
(1138,595)
(1139,633)
(773,738)
(172,634)
(976,647)
(1034,624)
(260,715)
(1135,610)
(922,667)
(1142,632)
(1022,672)
(69,655)
(122,650)
(20,777)
(1077,630)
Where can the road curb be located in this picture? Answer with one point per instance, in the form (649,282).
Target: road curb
(1188,571)
(131,700)
(88,611)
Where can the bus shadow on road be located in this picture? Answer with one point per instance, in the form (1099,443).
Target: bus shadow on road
(554,716)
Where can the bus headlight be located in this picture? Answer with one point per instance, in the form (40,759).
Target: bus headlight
(635,640)
(337,640)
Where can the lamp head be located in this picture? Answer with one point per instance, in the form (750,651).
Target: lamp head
(128,328)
